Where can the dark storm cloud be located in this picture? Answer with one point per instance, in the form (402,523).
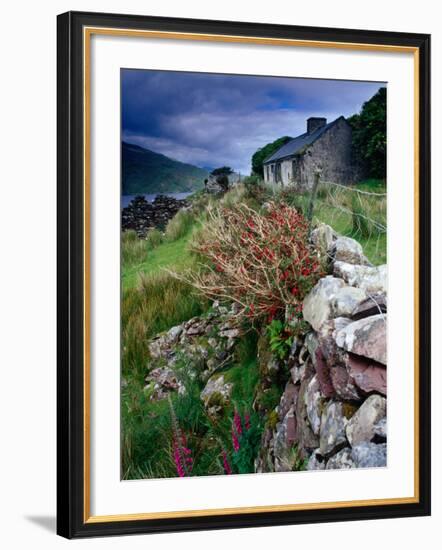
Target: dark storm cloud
(213,120)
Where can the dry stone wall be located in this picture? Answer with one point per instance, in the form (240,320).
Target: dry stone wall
(333,412)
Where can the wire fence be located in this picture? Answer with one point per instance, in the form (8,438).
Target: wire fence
(357,211)
(352,211)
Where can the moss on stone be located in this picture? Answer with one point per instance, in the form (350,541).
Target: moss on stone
(272,420)
(216,400)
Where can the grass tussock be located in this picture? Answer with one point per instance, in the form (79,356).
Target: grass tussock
(146,440)
(234,196)
(362,217)
(154,238)
(152,302)
(133,249)
(157,303)
(179,225)
(167,255)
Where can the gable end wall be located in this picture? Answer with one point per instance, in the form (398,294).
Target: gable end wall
(331,154)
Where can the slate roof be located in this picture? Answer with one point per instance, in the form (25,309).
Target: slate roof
(296,144)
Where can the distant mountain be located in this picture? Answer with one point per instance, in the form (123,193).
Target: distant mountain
(147,172)
(208,168)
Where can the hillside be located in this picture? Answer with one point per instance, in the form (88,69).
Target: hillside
(145,171)
(225,369)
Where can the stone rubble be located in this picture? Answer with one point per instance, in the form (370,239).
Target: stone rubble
(141,215)
(332,412)
(203,345)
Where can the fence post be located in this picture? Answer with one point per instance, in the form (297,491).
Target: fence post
(312,199)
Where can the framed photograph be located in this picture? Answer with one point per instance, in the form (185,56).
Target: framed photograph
(243,274)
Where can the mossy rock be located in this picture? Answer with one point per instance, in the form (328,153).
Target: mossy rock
(217,392)
(272,420)
(216,399)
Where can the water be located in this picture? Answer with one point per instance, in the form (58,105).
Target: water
(125,199)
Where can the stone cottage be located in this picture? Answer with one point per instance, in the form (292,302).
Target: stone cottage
(324,147)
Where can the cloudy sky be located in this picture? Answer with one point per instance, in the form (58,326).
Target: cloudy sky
(216,120)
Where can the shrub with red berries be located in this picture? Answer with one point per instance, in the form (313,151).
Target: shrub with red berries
(260,260)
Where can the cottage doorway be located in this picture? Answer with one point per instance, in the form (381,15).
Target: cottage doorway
(278,178)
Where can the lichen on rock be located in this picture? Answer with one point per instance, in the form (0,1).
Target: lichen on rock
(216,394)
(361,427)
(333,424)
(350,251)
(366,337)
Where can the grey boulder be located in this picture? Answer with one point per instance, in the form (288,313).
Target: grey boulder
(316,461)
(323,238)
(361,426)
(333,424)
(371,279)
(342,460)
(380,429)
(314,401)
(347,299)
(369,455)
(366,337)
(350,251)
(216,393)
(319,302)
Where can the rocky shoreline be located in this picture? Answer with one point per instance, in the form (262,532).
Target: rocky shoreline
(140,215)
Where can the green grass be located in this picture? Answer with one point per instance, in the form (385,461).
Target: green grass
(179,226)
(244,372)
(373,241)
(372,185)
(171,255)
(146,435)
(244,377)
(157,304)
(154,238)
(153,301)
(148,432)
(133,249)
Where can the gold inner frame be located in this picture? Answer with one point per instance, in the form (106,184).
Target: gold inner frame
(87,34)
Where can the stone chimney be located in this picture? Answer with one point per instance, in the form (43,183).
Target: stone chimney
(314,123)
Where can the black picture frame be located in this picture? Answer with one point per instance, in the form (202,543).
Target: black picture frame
(71,520)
